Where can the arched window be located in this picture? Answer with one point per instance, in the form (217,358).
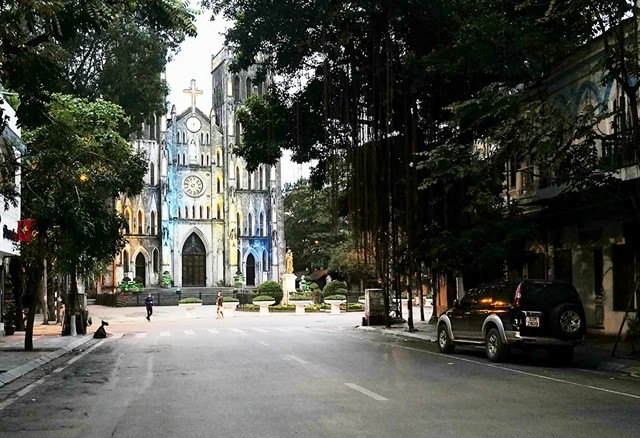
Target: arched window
(201,138)
(127,215)
(218,211)
(153,223)
(250,181)
(239,224)
(248,87)
(219,184)
(186,212)
(218,157)
(208,142)
(193,211)
(245,179)
(207,160)
(184,159)
(238,133)
(265,261)
(261,224)
(184,137)
(201,217)
(179,212)
(202,159)
(261,177)
(238,185)
(238,255)
(125,261)
(208,212)
(152,176)
(140,221)
(250,224)
(155,260)
(236,88)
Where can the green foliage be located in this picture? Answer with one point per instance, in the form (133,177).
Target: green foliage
(282,308)
(272,289)
(335,297)
(190,300)
(348,261)
(332,288)
(77,164)
(300,296)
(166,278)
(352,306)
(263,298)
(230,300)
(251,307)
(314,285)
(312,308)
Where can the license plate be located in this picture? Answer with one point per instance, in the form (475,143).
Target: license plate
(532,321)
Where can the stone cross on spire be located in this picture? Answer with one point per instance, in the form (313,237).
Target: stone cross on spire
(193,91)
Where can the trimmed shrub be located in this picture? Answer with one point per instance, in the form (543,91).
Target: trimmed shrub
(312,308)
(351,306)
(272,289)
(190,300)
(230,300)
(251,307)
(300,296)
(282,308)
(335,297)
(333,287)
(263,298)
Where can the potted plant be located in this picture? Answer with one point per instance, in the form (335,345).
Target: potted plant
(9,319)
(229,305)
(335,301)
(300,300)
(238,279)
(166,279)
(264,301)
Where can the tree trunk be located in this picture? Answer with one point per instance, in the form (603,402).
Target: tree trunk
(45,306)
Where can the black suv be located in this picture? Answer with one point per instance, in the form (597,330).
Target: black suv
(524,314)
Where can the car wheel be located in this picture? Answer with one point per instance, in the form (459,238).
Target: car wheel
(567,321)
(497,351)
(561,355)
(445,343)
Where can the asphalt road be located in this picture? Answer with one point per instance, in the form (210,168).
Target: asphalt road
(284,376)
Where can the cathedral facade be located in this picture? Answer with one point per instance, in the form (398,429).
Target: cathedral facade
(202,218)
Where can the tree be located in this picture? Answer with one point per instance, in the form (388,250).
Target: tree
(111,49)
(76,165)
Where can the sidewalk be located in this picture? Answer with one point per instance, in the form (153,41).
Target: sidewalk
(595,354)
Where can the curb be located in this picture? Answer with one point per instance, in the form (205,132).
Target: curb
(20,371)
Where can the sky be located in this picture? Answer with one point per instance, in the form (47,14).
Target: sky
(193,62)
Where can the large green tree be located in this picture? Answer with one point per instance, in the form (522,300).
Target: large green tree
(76,165)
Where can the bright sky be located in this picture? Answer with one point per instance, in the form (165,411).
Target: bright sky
(193,62)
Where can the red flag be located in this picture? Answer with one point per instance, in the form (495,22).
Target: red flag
(25,230)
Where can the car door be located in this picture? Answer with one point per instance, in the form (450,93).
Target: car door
(480,309)
(459,316)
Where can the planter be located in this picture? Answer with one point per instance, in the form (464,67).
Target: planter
(335,306)
(229,308)
(9,329)
(300,305)
(189,308)
(264,306)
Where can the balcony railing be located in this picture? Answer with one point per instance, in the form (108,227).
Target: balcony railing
(618,150)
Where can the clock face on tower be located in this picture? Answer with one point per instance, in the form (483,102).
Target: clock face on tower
(192,186)
(193,124)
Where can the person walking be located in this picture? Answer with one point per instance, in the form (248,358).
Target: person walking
(149,303)
(219,310)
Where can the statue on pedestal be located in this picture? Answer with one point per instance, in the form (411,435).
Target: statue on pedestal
(289,260)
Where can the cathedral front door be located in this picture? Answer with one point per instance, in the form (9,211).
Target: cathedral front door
(141,271)
(251,270)
(193,262)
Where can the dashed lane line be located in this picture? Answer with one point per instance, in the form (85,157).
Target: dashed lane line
(365,391)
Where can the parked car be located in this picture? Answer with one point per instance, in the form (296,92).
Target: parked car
(525,314)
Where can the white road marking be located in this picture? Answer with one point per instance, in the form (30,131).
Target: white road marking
(365,391)
(141,335)
(297,359)
(238,331)
(260,330)
(263,343)
(214,331)
(524,373)
(189,332)
(165,334)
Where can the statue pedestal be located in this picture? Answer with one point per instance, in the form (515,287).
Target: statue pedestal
(288,285)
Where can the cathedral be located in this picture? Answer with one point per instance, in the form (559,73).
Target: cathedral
(202,219)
